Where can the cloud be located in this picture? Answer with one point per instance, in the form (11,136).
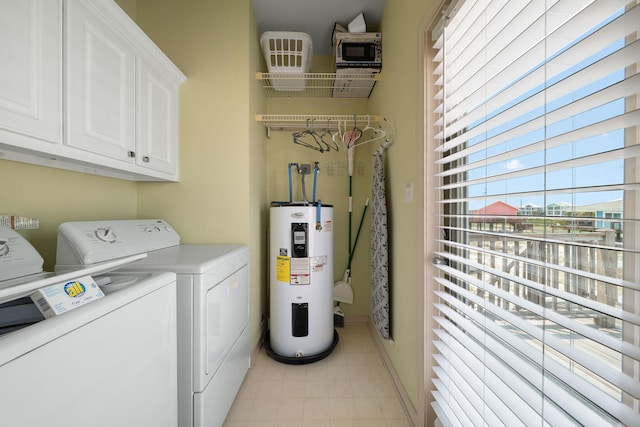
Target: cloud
(513,165)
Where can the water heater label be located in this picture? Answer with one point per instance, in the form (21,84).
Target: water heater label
(318,263)
(283,268)
(300,274)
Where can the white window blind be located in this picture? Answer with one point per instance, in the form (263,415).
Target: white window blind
(537,295)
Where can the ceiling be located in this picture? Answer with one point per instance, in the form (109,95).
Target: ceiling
(315,17)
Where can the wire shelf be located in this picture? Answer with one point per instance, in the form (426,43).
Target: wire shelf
(344,84)
(294,122)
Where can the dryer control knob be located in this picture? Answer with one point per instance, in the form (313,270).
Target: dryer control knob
(4,247)
(106,235)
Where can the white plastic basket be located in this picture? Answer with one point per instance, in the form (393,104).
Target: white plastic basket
(287,52)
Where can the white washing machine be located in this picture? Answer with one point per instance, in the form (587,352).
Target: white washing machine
(212,297)
(73,369)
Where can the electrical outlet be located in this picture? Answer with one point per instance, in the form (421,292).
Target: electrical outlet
(304,169)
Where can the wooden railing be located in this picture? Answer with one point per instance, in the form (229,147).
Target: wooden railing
(556,260)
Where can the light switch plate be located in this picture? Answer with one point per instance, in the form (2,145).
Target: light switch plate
(408,192)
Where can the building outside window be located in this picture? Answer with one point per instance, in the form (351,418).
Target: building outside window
(559,209)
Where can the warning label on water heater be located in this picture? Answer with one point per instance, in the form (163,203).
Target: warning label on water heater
(300,271)
(283,268)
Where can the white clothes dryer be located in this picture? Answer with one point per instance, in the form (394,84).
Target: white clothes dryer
(212,297)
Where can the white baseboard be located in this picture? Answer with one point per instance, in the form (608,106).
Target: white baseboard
(356,320)
(405,401)
(256,348)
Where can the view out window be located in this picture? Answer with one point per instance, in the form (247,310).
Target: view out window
(538,163)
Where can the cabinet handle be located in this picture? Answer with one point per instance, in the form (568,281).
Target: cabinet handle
(145,159)
(131,153)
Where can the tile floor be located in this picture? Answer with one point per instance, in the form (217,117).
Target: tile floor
(349,388)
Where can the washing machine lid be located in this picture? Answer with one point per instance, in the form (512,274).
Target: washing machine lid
(190,259)
(13,289)
(113,281)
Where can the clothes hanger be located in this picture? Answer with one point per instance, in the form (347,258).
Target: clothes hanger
(308,138)
(378,131)
(350,137)
(387,141)
(338,134)
(327,135)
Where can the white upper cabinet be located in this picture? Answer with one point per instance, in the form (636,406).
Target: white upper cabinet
(100,82)
(31,72)
(157,115)
(120,92)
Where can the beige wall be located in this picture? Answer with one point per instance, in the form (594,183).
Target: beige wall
(211,201)
(221,194)
(130,7)
(54,196)
(397,97)
(258,201)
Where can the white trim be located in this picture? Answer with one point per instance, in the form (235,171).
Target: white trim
(426,414)
(405,401)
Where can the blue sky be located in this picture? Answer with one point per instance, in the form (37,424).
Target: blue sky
(544,183)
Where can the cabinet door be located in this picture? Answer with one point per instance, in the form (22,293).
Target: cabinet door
(30,74)
(157,115)
(100,84)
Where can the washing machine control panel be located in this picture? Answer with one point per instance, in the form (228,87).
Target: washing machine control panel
(17,256)
(89,242)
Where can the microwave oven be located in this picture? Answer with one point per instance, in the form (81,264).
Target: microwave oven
(358,50)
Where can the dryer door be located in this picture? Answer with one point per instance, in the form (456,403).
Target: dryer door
(225,316)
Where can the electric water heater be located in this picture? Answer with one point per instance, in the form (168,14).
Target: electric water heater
(301,282)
